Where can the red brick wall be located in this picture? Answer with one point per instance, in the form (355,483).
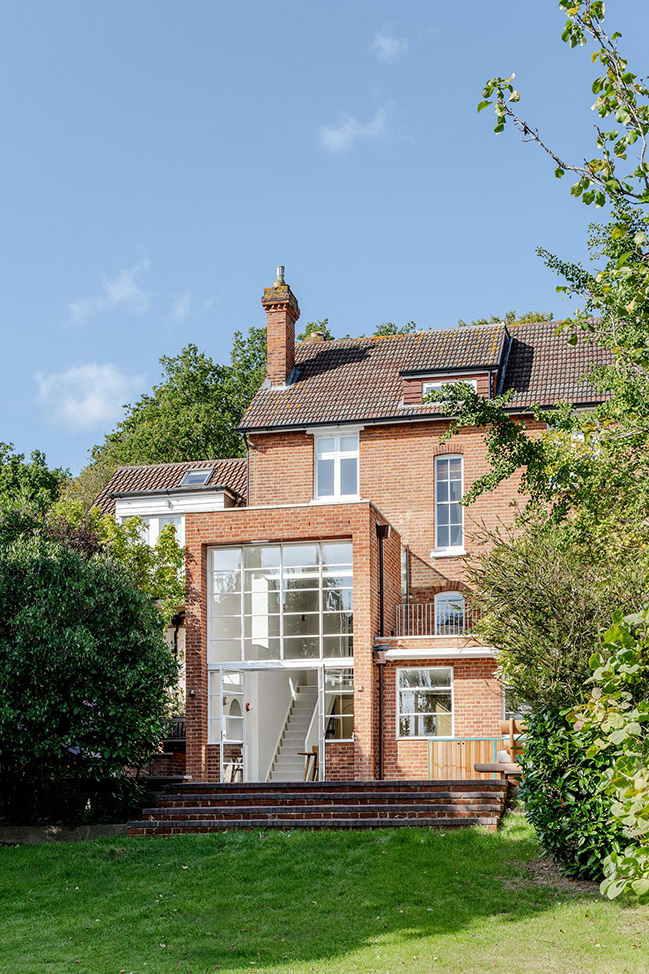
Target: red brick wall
(397,473)
(397,464)
(313,522)
(339,761)
(477,706)
(281,469)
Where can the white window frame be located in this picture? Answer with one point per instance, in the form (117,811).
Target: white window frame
(451,549)
(434,385)
(336,455)
(426,737)
(328,668)
(284,661)
(450,596)
(151,522)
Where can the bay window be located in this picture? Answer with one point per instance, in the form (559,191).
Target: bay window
(425,702)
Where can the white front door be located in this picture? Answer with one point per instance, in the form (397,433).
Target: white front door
(233,726)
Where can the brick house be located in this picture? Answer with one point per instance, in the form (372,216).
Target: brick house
(326,571)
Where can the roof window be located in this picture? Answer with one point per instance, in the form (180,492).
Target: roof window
(196,478)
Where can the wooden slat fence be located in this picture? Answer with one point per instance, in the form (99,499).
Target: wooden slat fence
(454,759)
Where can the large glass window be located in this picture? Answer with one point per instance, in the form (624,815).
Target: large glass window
(449,513)
(274,602)
(336,467)
(425,702)
(339,705)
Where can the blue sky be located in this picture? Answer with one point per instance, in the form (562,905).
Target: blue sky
(160,158)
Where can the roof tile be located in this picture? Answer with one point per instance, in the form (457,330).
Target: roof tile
(360,379)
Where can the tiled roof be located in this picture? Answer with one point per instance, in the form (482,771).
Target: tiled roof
(543,368)
(360,379)
(166,476)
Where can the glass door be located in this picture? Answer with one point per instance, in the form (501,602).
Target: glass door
(233,725)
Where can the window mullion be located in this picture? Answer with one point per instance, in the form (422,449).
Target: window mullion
(242,583)
(281,602)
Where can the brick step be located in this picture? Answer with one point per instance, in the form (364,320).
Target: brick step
(321,809)
(281,796)
(314,787)
(216,825)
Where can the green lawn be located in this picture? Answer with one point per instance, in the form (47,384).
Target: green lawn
(404,900)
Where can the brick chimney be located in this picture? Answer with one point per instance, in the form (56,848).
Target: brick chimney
(280,305)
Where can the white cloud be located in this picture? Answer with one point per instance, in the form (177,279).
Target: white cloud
(387,47)
(86,397)
(184,306)
(341,138)
(122,291)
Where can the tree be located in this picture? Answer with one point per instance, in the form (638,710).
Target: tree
(389,328)
(84,670)
(543,598)
(589,474)
(322,327)
(29,482)
(510,318)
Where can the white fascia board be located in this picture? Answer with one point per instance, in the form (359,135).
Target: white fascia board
(165,504)
(456,652)
(335,429)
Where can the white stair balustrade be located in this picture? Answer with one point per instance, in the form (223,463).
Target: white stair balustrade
(288,764)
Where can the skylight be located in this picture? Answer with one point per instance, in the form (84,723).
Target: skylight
(196,478)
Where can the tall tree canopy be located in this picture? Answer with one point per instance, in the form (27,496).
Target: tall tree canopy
(588,480)
(28,482)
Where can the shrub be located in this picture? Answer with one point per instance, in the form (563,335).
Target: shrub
(617,716)
(563,796)
(84,671)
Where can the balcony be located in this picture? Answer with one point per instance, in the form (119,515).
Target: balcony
(441,618)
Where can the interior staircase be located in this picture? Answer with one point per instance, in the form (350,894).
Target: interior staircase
(324,805)
(288,765)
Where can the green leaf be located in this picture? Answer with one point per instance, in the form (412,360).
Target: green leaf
(483,104)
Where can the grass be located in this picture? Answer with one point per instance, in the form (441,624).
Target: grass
(409,900)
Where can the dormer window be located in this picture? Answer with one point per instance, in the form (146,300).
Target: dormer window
(196,478)
(431,387)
